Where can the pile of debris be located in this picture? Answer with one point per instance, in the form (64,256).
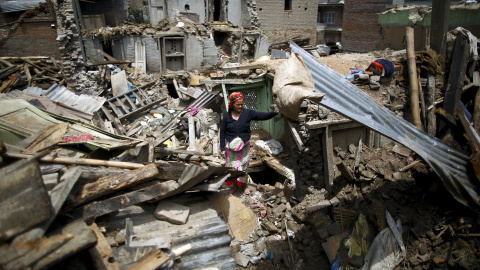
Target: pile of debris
(20,72)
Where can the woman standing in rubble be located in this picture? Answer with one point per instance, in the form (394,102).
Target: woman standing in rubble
(235,137)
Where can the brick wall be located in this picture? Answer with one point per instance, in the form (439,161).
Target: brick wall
(361,31)
(279,24)
(32,39)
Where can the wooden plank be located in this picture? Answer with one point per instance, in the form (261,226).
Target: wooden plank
(456,79)
(5,62)
(21,255)
(83,238)
(57,196)
(27,73)
(321,123)
(430,101)
(469,131)
(110,184)
(114,108)
(22,182)
(107,113)
(276,165)
(327,149)
(101,253)
(225,96)
(438,34)
(120,102)
(118,126)
(175,84)
(101,208)
(148,106)
(82,161)
(296,136)
(165,136)
(159,258)
(130,101)
(180,151)
(138,97)
(192,145)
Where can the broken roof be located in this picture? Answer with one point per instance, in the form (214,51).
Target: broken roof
(345,98)
(19,5)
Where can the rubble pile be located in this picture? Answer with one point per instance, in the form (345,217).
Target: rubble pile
(19,73)
(112,167)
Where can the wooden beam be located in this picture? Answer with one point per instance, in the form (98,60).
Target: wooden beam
(83,238)
(456,78)
(430,101)
(160,258)
(110,184)
(328,166)
(22,255)
(469,131)
(296,136)
(57,196)
(438,35)
(21,184)
(192,145)
(101,208)
(101,253)
(180,151)
(82,161)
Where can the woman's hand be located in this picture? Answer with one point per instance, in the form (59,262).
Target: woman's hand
(223,154)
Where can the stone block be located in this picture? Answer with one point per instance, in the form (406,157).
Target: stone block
(241,259)
(172,212)
(279,209)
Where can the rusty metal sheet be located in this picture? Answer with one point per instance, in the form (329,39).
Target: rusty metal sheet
(22,183)
(345,98)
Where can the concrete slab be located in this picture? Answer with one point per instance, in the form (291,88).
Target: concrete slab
(172,212)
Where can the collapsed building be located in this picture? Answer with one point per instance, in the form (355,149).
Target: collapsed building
(120,137)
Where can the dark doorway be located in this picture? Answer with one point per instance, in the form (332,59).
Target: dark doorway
(107,47)
(219,38)
(172,91)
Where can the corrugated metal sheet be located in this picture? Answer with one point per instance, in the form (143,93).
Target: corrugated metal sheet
(19,5)
(205,100)
(345,98)
(277,54)
(204,230)
(84,103)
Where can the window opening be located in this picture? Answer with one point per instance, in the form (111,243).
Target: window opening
(217,5)
(288,4)
(329,18)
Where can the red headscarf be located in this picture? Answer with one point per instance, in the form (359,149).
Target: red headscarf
(234,97)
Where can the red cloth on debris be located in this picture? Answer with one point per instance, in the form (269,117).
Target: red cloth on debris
(80,138)
(377,66)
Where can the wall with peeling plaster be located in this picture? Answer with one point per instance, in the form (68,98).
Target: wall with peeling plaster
(194,53)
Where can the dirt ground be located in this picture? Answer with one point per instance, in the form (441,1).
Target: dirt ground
(437,232)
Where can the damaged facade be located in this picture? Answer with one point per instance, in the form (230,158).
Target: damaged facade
(119,137)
